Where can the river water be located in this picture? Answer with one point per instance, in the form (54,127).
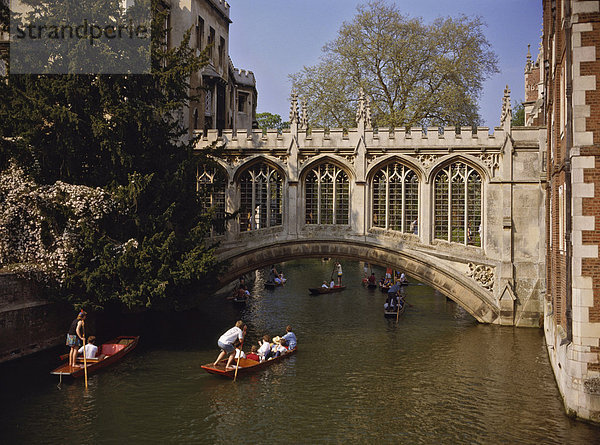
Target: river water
(435,377)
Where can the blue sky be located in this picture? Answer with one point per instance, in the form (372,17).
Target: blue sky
(275,38)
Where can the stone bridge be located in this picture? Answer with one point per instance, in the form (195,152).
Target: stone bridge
(460,209)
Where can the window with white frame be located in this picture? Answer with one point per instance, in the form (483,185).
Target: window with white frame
(457,213)
(327,195)
(396,198)
(261,205)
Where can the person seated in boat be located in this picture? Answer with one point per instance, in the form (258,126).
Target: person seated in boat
(279,347)
(279,279)
(403,278)
(264,351)
(391,302)
(290,337)
(226,343)
(325,285)
(372,279)
(332,284)
(253,354)
(239,353)
(91,350)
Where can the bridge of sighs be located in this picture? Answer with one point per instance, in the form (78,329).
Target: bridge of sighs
(460,209)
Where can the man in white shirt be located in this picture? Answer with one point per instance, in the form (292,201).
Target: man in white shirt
(226,342)
(91,350)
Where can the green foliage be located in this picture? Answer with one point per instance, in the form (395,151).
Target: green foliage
(518,119)
(269,121)
(121,133)
(414,73)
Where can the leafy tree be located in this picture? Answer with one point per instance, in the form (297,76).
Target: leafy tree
(518,119)
(122,133)
(269,121)
(414,73)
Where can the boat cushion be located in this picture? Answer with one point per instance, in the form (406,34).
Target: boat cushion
(111,348)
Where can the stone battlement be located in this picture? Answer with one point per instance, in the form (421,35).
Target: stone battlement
(412,139)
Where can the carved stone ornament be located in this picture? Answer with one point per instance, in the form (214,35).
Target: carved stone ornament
(484,275)
(371,159)
(350,158)
(491,161)
(294,109)
(304,116)
(233,161)
(427,160)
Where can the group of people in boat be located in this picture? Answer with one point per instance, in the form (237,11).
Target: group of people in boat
(388,280)
(331,284)
(276,277)
(230,343)
(395,298)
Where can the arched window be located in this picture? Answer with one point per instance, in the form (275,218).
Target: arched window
(396,198)
(327,195)
(458,204)
(261,198)
(211,183)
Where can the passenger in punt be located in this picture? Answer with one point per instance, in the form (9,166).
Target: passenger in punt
(279,346)
(226,343)
(290,337)
(324,285)
(391,302)
(75,337)
(332,284)
(264,351)
(253,355)
(372,279)
(91,350)
(239,353)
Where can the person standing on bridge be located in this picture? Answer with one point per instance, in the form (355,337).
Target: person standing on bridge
(338,267)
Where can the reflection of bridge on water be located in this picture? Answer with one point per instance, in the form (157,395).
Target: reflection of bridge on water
(461,210)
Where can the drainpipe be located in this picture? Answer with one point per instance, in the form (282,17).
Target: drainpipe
(567,167)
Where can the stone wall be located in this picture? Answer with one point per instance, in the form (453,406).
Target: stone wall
(28,323)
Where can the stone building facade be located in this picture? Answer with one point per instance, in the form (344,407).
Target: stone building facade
(227,95)
(570,76)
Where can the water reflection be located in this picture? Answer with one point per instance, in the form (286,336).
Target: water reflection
(436,376)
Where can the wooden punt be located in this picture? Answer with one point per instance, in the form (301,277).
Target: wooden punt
(240,301)
(394,313)
(109,353)
(246,365)
(274,284)
(325,290)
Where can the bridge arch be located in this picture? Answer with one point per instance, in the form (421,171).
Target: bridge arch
(466,292)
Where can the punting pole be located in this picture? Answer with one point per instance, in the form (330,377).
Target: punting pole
(84,354)
(237,366)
